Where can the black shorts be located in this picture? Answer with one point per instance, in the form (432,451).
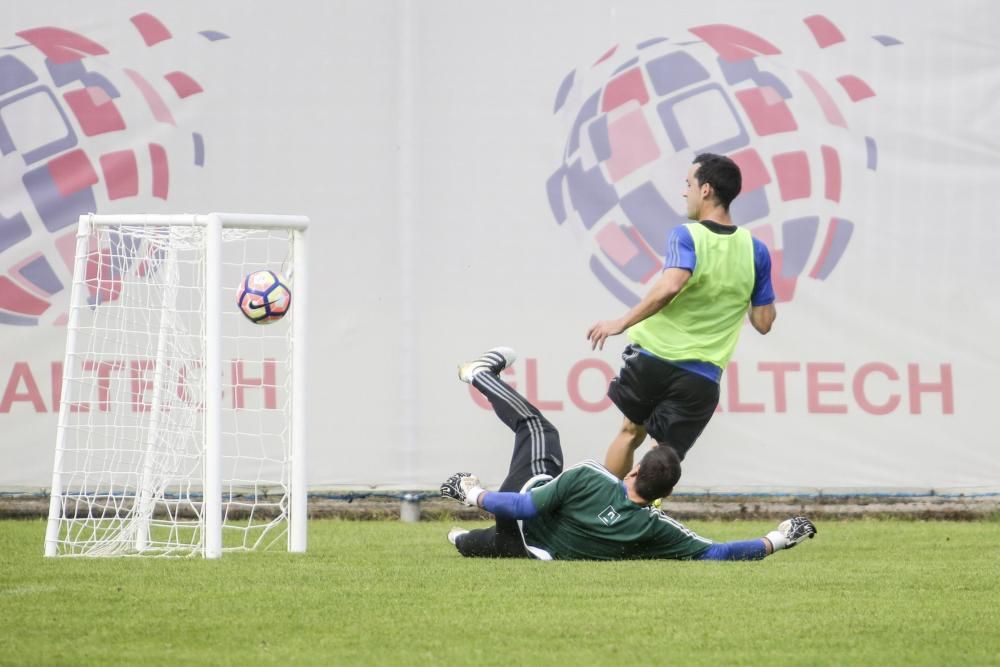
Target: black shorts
(673,404)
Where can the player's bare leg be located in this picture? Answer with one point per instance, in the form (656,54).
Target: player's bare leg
(622,450)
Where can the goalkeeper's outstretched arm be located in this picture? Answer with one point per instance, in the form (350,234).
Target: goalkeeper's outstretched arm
(465,488)
(789,533)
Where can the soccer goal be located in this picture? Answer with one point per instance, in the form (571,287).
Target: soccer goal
(181,421)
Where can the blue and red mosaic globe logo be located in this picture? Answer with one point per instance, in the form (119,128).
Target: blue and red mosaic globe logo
(81,128)
(638,116)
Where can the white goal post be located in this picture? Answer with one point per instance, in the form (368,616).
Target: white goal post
(182,426)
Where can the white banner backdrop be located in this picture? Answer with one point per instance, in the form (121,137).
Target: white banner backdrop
(481,174)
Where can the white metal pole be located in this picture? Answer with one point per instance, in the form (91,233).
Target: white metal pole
(229,220)
(212,485)
(407,378)
(77,289)
(300,308)
(262,221)
(168,303)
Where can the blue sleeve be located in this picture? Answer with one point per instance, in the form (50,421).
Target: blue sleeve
(748,550)
(509,505)
(680,250)
(763,292)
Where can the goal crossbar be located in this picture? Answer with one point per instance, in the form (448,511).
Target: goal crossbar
(227,220)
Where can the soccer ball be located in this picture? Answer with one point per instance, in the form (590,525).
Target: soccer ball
(263,297)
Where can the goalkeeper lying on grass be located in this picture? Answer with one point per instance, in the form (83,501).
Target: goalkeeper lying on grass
(584,513)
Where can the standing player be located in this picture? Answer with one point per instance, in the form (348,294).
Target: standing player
(584,513)
(685,329)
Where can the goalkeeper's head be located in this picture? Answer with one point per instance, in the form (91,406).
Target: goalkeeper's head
(657,473)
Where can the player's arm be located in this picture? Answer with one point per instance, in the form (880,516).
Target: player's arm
(669,285)
(762,312)
(464,487)
(508,505)
(504,504)
(545,499)
(679,264)
(762,317)
(788,534)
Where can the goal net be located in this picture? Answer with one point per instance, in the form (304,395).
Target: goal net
(181,422)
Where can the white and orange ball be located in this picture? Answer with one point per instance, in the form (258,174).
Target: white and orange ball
(264,297)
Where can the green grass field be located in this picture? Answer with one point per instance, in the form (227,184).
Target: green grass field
(863,592)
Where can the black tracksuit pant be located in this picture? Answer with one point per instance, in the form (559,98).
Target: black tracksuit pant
(536,451)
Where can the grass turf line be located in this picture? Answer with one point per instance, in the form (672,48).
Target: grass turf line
(862,592)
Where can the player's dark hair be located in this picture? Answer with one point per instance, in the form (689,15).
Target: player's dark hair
(659,471)
(722,174)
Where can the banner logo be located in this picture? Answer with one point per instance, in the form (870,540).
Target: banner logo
(83,127)
(637,117)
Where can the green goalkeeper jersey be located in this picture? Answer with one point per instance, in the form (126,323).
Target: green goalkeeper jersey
(585,514)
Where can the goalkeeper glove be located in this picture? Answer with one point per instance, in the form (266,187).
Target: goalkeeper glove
(463,487)
(790,532)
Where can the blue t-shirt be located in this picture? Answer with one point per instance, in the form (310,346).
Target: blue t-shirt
(681,255)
